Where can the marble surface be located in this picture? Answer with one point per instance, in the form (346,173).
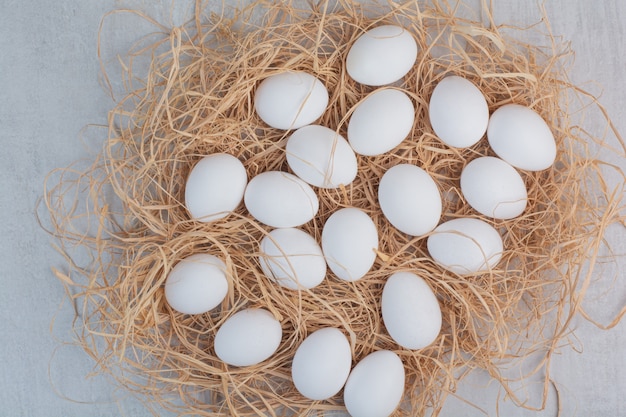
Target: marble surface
(51,89)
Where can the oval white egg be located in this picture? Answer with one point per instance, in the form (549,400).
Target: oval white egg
(375,386)
(410,310)
(410,199)
(290,100)
(494,188)
(521,137)
(196,284)
(280,199)
(215,187)
(465,245)
(380,122)
(349,243)
(322,364)
(321,157)
(458,112)
(381,55)
(292,258)
(248,337)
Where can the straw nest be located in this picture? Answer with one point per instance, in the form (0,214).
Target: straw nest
(127,210)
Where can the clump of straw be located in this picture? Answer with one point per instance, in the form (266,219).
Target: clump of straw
(197,100)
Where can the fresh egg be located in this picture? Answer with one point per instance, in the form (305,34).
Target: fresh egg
(380,122)
(381,55)
(494,188)
(196,284)
(215,187)
(410,310)
(458,112)
(349,243)
(465,245)
(410,199)
(521,137)
(280,199)
(290,100)
(321,157)
(248,337)
(375,386)
(322,364)
(292,258)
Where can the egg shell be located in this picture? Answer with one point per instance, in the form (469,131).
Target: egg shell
(196,284)
(381,55)
(349,243)
(215,187)
(321,157)
(321,364)
(521,137)
(375,386)
(410,199)
(292,258)
(410,310)
(280,199)
(381,122)
(494,188)
(465,245)
(458,112)
(248,337)
(290,100)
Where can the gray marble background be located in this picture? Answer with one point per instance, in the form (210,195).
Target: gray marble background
(51,89)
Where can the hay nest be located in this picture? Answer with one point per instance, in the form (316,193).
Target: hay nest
(196,100)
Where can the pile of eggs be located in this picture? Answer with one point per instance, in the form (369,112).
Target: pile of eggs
(408,196)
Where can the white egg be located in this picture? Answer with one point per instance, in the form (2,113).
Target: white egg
(290,100)
(494,188)
(196,284)
(381,55)
(248,337)
(349,243)
(465,246)
(321,157)
(410,199)
(410,310)
(375,386)
(322,364)
(458,112)
(521,137)
(215,187)
(280,199)
(292,258)
(380,122)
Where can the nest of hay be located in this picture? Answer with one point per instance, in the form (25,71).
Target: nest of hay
(196,100)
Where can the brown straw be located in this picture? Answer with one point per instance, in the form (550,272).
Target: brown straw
(127,210)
